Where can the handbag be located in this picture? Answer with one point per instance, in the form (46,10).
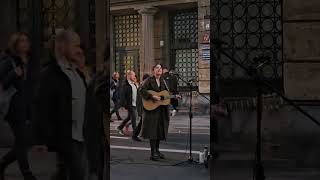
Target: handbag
(5,98)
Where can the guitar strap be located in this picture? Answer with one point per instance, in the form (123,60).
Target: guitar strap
(166,85)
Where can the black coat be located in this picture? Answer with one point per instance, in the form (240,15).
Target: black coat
(156,122)
(126,95)
(20,107)
(54,114)
(53,105)
(115,87)
(96,104)
(139,102)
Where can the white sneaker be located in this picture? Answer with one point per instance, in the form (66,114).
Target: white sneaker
(119,131)
(173,113)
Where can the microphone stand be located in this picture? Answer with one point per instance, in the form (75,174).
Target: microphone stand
(189,83)
(260,82)
(190,159)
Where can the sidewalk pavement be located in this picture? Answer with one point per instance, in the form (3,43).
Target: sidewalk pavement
(178,124)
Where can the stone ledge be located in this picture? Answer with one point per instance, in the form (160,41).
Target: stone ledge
(302,41)
(301,10)
(300,80)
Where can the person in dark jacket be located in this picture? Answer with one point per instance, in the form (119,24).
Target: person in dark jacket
(94,126)
(115,96)
(61,107)
(129,92)
(156,122)
(16,70)
(95,129)
(140,106)
(172,82)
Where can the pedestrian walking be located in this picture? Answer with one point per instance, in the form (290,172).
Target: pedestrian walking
(16,70)
(115,88)
(129,92)
(61,107)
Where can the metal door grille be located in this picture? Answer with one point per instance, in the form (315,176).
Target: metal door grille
(184,44)
(127,30)
(127,42)
(251,28)
(57,14)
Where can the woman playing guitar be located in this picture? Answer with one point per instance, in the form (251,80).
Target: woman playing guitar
(155,122)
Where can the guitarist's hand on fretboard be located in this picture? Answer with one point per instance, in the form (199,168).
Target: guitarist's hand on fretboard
(156,98)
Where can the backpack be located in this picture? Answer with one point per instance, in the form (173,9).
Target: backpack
(6,96)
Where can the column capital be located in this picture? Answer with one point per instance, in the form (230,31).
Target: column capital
(148,10)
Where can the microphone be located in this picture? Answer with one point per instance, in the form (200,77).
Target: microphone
(174,73)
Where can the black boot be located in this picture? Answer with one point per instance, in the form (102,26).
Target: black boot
(2,173)
(2,169)
(161,156)
(29,176)
(153,156)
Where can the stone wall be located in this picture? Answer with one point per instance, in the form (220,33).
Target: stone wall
(301,30)
(204,65)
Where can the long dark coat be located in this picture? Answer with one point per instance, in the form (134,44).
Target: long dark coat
(156,122)
(20,111)
(139,102)
(94,128)
(20,104)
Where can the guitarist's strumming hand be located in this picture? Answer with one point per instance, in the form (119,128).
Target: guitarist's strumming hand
(156,98)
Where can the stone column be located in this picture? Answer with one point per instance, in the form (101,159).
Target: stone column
(147,39)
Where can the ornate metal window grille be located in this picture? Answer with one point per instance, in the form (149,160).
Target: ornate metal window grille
(57,14)
(128,62)
(127,42)
(251,28)
(184,44)
(127,30)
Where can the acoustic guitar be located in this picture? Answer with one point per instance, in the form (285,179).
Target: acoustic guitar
(153,104)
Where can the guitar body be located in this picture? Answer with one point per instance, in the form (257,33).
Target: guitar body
(152,104)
